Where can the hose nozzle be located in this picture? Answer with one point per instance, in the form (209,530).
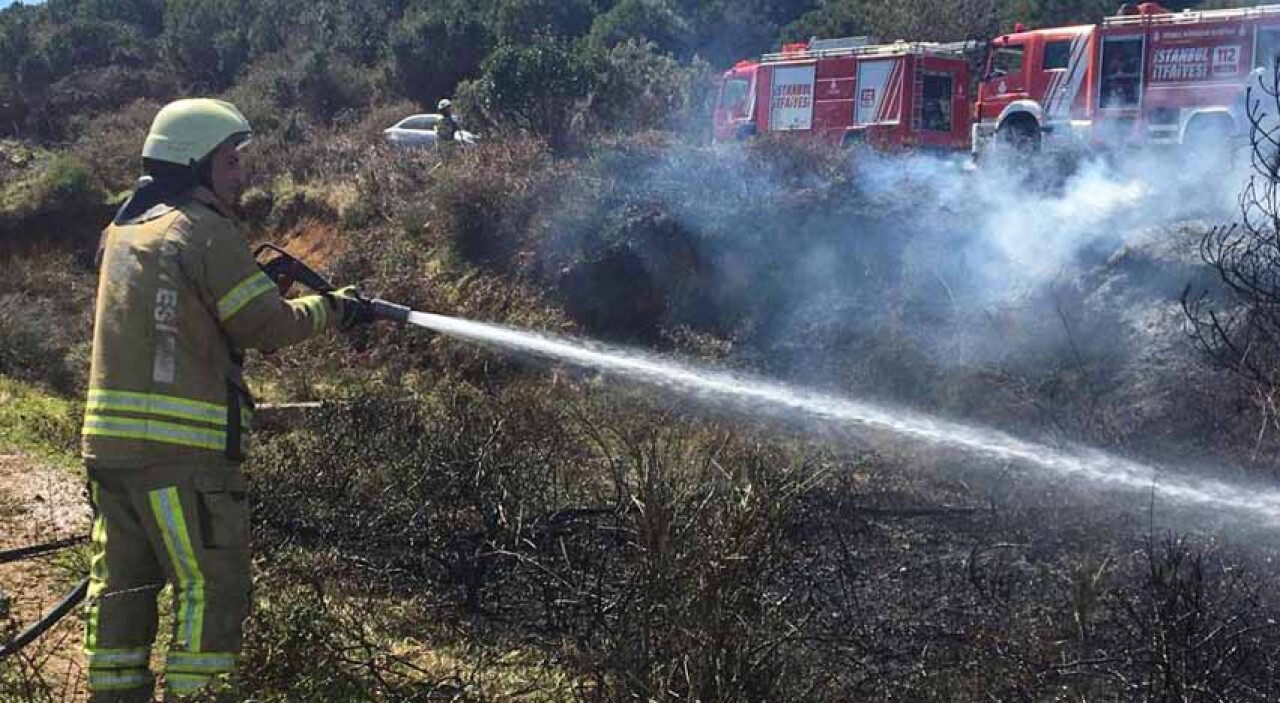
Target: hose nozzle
(383,310)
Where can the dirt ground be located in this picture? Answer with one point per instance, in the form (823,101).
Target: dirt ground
(38,504)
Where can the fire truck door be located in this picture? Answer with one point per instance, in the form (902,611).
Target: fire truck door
(879,90)
(1007,75)
(1057,79)
(1266,49)
(935,113)
(791,98)
(1121,81)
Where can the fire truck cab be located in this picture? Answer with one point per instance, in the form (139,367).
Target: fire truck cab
(850,90)
(1144,77)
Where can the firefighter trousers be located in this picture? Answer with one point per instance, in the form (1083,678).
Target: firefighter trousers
(183,525)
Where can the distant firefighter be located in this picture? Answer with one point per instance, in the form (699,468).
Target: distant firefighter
(447,128)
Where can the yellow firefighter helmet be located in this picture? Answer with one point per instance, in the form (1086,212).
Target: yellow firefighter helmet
(186,131)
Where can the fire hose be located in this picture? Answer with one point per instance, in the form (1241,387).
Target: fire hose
(64,606)
(285,270)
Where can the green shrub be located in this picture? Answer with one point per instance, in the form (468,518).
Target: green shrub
(642,89)
(515,21)
(205,41)
(111,144)
(431,51)
(656,21)
(328,85)
(67,183)
(46,307)
(33,420)
(538,88)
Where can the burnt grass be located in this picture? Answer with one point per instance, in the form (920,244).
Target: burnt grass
(698,563)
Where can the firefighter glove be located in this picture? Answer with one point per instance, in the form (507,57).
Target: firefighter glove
(352,307)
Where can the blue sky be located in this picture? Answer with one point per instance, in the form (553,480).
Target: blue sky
(6,3)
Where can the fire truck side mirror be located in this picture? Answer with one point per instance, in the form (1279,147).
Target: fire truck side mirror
(994,74)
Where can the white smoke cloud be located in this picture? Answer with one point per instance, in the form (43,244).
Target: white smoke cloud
(1018,227)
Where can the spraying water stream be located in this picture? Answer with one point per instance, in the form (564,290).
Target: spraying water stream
(1079,463)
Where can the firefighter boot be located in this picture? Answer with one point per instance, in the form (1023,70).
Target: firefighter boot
(133,696)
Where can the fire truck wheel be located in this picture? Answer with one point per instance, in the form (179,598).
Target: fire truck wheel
(1020,134)
(1207,143)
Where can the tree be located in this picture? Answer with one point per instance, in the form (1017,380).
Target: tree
(655,21)
(12,109)
(516,21)
(85,43)
(147,16)
(206,40)
(1240,330)
(430,52)
(730,30)
(641,89)
(328,85)
(832,19)
(536,87)
(1054,13)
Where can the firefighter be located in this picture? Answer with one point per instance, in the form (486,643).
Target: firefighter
(447,127)
(180,297)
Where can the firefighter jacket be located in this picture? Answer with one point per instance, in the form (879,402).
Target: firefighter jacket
(446,129)
(180,297)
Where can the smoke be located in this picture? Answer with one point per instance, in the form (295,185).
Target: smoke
(1016,227)
(903,277)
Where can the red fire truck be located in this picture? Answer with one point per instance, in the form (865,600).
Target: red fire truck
(851,90)
(1144,77)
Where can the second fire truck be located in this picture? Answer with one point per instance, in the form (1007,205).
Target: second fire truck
(851,90)
(1144,77)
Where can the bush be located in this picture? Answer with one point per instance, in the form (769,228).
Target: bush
(67,183)
(31,419)
(111,144)
(91,44)
(205,41)
(656,21)
(90,96)
(538,88)
(34,349)
(307,645)
(641,90)
(46,308)
(326,86)
(485,201)
(431,51)
(515,21)
(651,546)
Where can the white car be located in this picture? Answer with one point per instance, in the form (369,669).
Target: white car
(420,131)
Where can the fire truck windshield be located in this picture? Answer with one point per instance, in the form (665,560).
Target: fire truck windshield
(1006,60)
(1268,51)
(733,98)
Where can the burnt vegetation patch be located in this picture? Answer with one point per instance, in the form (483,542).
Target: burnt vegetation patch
(651,555)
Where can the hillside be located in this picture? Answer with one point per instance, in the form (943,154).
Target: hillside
(476,523)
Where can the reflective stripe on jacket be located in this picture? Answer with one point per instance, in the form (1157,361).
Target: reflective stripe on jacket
(179,297)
